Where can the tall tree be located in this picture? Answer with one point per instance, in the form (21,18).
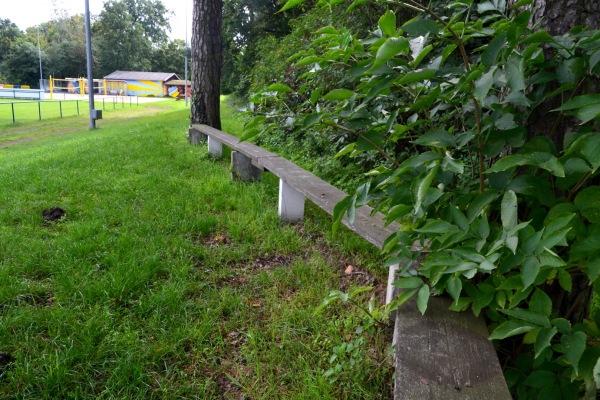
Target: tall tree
(206,62)
(9,33)
(127,31)
(21,64)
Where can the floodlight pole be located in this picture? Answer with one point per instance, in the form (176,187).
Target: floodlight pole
(88,39)
(186,56)
(40,57)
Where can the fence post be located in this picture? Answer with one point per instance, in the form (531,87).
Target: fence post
(60,107)
(39,110)
(77,101)
(13,111)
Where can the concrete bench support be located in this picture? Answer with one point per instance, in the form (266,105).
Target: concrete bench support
(242,168)
(291,203)
(215,148)
(195,137)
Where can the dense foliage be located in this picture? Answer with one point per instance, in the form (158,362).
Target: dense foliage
(441,111)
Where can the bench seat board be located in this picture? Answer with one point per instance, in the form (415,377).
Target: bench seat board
(445,355)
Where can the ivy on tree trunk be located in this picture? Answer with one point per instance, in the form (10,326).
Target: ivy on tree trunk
(206,62)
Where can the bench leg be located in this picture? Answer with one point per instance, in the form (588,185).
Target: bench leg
(195,137)
(291,203)
(242,168)
(215,148)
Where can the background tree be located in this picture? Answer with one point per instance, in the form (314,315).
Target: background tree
(127,31)
(63,40)
(206,62)
(170,57)
(21,64)
(246,23)
(9,33)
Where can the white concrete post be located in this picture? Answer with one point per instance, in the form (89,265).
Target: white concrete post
(291,203)
(215,148)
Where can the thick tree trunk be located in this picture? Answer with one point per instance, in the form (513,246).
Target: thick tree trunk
(206,62)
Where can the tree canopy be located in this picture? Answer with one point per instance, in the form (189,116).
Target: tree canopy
(127,35)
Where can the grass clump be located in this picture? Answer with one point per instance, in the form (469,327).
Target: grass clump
(166,279)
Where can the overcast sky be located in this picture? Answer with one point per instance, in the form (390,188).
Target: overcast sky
(27,13)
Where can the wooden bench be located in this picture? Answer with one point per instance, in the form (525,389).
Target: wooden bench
(441,355)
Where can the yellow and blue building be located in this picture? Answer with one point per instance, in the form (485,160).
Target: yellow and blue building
(136,83)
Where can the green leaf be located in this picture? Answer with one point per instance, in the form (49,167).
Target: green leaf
(508,210)
(540,303)
(574,346)
(543,339)
(588,113)
(291,4)
(592,269)
(588,203)
(421,27)
(515,78)
(339,94)
(484,84)
(339,210)
(480,202)
(565,281)
(279,87)
(416,76)
(387,23)
(459,218)
(308,60)
(390,49)
(423,298)
(529,316)
(597,373)
(422,186)
(454,287)
(327,30)
(529,271)
(541,378)
(594,59)
(437,226)
(440,139)
(411,282)
(580,102)
(490,54)
(541,159)
(511,328)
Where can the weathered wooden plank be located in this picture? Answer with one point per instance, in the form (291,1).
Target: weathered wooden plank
(326,196)
(445,355)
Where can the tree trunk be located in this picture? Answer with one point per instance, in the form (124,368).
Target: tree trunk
(558,16)
(206,62)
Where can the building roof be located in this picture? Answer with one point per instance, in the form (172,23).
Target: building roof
(142,76)
(178,82)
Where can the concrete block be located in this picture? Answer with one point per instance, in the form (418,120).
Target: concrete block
(242,168)
(291,203)
(215,148)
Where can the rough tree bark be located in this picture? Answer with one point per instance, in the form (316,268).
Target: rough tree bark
(206,62)
(558,17)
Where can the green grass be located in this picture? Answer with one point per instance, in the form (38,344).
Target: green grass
(29,111)
(166,279)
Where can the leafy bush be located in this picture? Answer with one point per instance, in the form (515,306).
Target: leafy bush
(445,112)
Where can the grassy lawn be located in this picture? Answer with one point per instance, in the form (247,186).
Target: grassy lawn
(26,111)
(166,279)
